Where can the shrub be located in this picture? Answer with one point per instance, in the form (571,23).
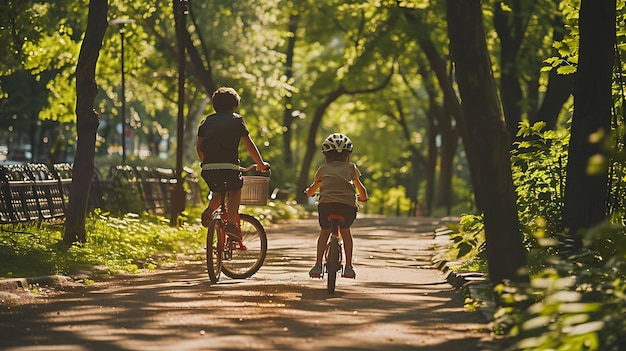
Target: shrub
(577,303)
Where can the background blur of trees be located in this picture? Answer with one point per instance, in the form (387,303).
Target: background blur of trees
(379,72)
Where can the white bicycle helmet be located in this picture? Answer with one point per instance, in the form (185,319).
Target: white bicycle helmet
(337,142)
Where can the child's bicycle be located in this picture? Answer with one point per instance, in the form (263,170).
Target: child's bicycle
(333,254)
(238,259)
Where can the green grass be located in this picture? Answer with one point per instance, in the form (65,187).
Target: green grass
(123,244)
(114,244)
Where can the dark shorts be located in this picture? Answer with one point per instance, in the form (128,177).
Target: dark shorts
(325,209)
(220,180)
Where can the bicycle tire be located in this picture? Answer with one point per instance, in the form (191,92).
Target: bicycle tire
(214,249)
(332,265)
(247,257)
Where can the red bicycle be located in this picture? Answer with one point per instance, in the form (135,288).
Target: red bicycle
(238,259)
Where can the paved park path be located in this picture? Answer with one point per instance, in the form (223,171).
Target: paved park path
(397,302)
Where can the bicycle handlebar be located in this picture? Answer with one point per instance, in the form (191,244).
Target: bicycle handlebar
(249,168)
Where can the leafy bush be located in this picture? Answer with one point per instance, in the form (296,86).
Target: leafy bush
(275,211)
(577,298)
(577,303)
(468,237)
(538,167)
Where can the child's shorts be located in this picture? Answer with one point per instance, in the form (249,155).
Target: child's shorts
(220,180)
(325,209)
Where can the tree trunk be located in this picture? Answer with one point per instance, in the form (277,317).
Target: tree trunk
(585,200)
(311,145)
(418,162)
(510,29)
(202,74)
(87,121)
(438,67)
(191,129)
(431,166)
(177,194)
(287,113)
(449,142)
(486,142)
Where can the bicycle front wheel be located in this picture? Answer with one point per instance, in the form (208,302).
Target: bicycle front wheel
(244,258)
(332,264)
(214,250)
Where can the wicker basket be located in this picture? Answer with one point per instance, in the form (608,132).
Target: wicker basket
(255,191)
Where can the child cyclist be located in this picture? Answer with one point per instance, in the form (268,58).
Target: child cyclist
(336,181)
(219,135)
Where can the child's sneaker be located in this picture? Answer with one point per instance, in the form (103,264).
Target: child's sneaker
(316,271)
(232,231)
(348,272)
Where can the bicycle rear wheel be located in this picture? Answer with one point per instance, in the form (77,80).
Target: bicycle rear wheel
(242,259)
(332,264)
(214,250)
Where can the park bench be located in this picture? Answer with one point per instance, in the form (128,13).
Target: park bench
(35,192)
(31,192)
(153,186)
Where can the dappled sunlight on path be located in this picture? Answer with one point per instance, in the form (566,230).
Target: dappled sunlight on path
(396,303)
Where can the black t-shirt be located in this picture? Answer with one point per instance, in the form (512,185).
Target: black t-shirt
(222,132)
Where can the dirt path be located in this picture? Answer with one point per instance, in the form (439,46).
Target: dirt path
(396,303)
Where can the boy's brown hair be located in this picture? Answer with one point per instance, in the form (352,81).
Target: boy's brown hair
(225,99)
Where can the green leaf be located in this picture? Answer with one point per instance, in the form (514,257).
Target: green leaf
(566,70)
(464,249)
(504,7)
(537,127)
